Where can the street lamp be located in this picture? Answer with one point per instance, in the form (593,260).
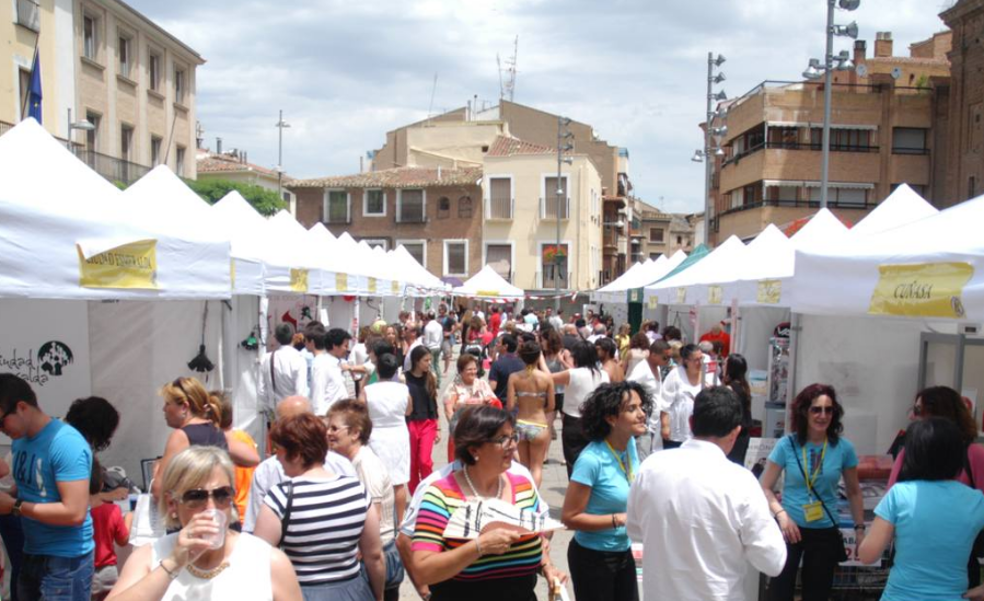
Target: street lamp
(280,125)
(840,62)
(564,135)
(709,130)
(83,125)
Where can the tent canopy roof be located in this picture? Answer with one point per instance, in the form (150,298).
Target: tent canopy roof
(488,284)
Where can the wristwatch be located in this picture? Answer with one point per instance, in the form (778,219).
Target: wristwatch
(16,509)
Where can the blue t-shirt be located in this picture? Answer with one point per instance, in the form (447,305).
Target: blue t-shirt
(57,454)
(502,368)
(935,526)
(836,459)
(596,467)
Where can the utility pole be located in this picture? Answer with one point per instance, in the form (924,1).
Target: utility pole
(827,81)
(562,145)
(281,124)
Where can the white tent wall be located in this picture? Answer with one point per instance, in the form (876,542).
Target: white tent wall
(370,309)
(240,365)
(392,305)
(138,346)
(658,314)
(707,316)
(756,325)
(679,316)
(618,311)
(341,312)
(872,363)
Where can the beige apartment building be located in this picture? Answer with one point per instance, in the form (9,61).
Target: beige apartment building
(435,212)
(109,64)
(881,136)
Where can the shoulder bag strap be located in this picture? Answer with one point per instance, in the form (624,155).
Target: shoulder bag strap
(285,522)
(967,467)
(273,376)
(805,477)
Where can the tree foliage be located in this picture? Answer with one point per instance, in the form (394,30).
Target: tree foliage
(266,202)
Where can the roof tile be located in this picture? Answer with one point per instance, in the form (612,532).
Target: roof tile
(507,147)
(400,177)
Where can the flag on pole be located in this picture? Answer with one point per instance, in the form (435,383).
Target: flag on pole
(34,93)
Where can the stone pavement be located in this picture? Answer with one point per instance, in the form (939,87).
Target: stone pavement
(552,490)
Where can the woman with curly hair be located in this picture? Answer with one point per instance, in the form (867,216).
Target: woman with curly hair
(600,555)
(814,458)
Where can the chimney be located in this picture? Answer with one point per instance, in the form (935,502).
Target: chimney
(218,146)
(860,51)
(883,44)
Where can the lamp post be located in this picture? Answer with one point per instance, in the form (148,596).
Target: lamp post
(83,125)
(280,125)
(563,145)
(841,62)
(709,131)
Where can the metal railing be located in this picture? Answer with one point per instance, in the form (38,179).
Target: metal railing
(811,204)
(411,213)
(802,146)
(499,207)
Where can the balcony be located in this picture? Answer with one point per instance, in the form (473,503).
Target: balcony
(548,208)
(499,208)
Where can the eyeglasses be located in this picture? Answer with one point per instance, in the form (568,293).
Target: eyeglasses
(503,441)
(197,498)
(334,429)
(917,411)
(829,410)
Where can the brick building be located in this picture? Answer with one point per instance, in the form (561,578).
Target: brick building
(434,212)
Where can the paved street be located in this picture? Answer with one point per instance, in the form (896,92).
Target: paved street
(553,489)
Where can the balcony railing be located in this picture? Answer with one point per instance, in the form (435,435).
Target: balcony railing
(810,204)
(548,208)
(499,208)
(797,146)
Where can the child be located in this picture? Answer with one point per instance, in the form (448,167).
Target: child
(108,527)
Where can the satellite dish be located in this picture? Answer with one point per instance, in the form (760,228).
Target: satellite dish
(896,72)
(862,70)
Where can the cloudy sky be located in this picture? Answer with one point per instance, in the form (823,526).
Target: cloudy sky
(347,71)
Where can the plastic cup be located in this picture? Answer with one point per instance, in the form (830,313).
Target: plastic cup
(221,521)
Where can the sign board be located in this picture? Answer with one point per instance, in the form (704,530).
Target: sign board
(921,290)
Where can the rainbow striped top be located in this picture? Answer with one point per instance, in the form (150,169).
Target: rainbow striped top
(443,497)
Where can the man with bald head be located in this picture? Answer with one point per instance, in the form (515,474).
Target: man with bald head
(270,473)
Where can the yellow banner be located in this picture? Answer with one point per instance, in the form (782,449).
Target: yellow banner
(714,295)
(769,292)
(299,280)
(129,266)
(395,288)
(921,290)
(372,285)
(653,301)
(487,293)
(681,295)
(232,273)
(341,282)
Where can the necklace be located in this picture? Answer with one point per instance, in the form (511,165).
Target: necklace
(498,486)
(206,574)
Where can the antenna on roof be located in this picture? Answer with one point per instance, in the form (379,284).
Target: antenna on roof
(430,109)
(507,88)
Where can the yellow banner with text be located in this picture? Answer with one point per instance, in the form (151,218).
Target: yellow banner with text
(921,290)
(132,266)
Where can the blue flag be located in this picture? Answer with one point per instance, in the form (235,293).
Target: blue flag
(34,94)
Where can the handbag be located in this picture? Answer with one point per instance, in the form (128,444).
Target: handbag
(842,549)
(285,522)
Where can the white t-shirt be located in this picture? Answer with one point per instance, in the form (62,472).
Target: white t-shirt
(678,398)
(327,383)
(375,478)
(433,335)
(643,374)
(583,382)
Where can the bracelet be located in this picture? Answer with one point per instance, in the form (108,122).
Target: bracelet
(170,574)
(478,546)
(776,514)
(860,527)
(614,522)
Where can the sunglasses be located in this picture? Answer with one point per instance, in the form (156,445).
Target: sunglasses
(505,440)
(197,498)
(822,410)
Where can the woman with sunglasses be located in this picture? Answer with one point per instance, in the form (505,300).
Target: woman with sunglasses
(946,403)
(600,555)
(196,416)
(204,560)
(320,519)
(814,458)
(502,562)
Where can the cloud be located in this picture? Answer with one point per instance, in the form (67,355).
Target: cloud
(347,72)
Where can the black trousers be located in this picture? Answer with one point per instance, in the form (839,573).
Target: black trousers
(600,575)
(819,549)
(573,441)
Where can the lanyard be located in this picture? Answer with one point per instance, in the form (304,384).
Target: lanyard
(625,470)
(811,480)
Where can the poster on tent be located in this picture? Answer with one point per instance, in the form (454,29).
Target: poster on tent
(293,309)
(758,452)
(46,342)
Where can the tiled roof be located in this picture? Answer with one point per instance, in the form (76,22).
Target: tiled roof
(219,163)
(400,177)
(508,147)
(908,60)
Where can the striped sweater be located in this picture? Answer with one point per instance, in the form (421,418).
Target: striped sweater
(441,500)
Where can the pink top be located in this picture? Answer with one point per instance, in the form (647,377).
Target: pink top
(975,455)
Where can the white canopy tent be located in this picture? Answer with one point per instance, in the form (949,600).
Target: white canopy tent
(615,291)
(489,285)
(715,267)
(251,254)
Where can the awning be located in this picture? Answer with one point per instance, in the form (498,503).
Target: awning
(810,124)
(776,183)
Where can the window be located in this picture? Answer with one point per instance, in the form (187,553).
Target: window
(655,256)
(845,140)
(90,41)
(465,207)
(155,151)
(550,187)
(374,203)
(285,195)
(784,137)
(500,198)
(456,257)
(410,206)
(29,14)
(24,77)
(971,187)
(417,250)
(850,197)
(679,239)
(92,135)
(909,140)
(380,242)
(126,141)
(499,256)
(336,206)
(782,194)
(179,85)
(179,156)
(656,234)
(123,50)
(443,207)
(553,265)
(154,68)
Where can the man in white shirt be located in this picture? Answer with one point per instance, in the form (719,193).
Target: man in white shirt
(328,381)
(433,338)
(411,334)
(647,373)
(270,472)
(701,518)
(283,371)
(555,320)
(599,332)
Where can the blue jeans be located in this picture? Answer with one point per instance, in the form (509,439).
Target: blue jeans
(55,578)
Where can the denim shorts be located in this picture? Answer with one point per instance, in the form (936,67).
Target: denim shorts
(55,578)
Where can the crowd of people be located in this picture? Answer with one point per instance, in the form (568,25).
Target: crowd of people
(341,500)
